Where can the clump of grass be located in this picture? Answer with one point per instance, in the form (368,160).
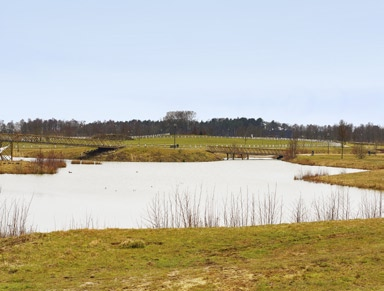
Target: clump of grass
(132,244)
(308,175)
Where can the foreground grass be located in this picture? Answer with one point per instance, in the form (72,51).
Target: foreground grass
(339,255)
(372,179)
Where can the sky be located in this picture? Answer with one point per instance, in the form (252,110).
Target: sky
(295,62)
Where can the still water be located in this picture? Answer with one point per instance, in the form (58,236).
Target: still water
(118,194)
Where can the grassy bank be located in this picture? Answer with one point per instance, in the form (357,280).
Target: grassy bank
(373,162)
(373,178)
(153,154)
(340,255)
(45,163)
(32,151)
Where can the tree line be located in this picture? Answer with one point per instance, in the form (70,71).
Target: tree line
(184,122)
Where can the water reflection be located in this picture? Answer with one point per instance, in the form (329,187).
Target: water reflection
(118,194)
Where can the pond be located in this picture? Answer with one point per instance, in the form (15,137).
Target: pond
(117,194)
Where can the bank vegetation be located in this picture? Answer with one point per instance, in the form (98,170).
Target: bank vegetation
(43,163)
(371,178)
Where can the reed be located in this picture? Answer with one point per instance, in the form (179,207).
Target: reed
(48,163)
(14,218)
(182,210)
(44,163)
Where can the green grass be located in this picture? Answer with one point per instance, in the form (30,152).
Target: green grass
(28,150)
(205,140)
(342,255)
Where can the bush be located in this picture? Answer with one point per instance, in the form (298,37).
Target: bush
(359,150)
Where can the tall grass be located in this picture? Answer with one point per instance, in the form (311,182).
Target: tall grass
(14,217)
(336,206)
(309,174)
(48,163)
(182,210)
(372,208)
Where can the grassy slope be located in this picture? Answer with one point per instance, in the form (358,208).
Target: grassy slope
(142,154)
(345,255)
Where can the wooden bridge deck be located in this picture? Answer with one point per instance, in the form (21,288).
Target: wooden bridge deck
(246,152)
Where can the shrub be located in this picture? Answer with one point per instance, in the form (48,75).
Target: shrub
(132,244)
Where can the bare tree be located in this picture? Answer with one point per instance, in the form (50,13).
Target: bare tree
(182,119)
(372,207)
(343,135)
(359,150)
(293,147)
(299,211)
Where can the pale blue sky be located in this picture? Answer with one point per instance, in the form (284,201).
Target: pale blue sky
(290,61)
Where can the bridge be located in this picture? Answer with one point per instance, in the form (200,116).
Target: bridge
(8,140)
(245,152)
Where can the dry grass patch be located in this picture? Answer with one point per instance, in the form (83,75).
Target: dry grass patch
(45,163)
(367,180)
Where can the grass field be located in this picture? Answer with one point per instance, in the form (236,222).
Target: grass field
(338,255)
